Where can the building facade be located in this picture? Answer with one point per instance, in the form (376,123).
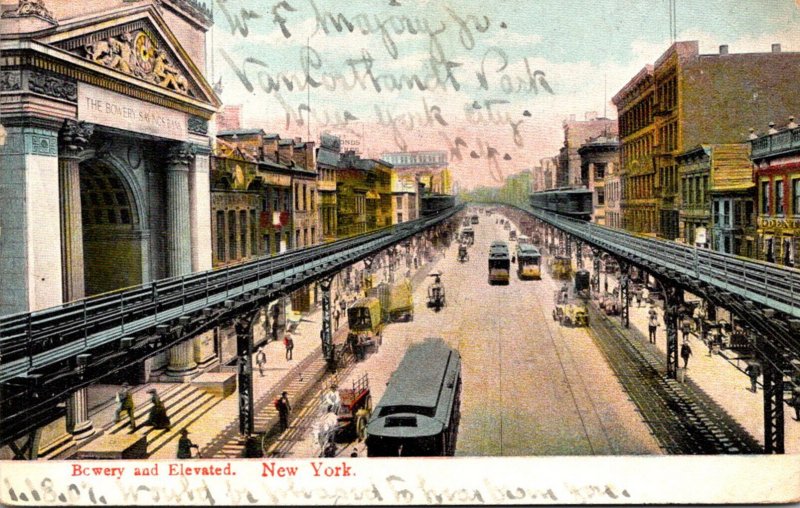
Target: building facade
(576,132)
(716,206)
(664,111)
(236,197)
(328,156)
(599,157)
(776,165)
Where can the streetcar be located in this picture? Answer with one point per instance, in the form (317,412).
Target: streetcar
(419,413)
(528,262)
(499,263)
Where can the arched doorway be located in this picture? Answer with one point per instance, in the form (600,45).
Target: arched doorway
(112,233)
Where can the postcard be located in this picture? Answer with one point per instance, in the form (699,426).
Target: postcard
(305,252)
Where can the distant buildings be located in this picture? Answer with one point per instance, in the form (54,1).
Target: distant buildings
(427,167)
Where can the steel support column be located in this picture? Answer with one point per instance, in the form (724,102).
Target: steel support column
(579,253)
(326,334)
(244,350)
(773,408)
(624,279)
(596,270)
(673,299)
(567,246)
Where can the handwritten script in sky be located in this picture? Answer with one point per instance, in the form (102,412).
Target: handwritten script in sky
(393,76)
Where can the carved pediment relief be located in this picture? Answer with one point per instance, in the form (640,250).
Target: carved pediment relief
(138,50)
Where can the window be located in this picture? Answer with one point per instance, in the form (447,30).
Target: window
(313,235)
(796,196)
(765,198)
(221,235)
(778,197)
(399,201)
(599,171)
(601,196)
(232,252)
(253,233)
(267,246)
(243,231)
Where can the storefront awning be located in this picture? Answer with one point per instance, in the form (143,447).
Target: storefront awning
(373,195)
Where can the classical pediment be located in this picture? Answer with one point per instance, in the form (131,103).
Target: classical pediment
(138,46)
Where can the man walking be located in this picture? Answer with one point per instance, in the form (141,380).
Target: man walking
(336,315)
(261,360)
(185,446)
(289,343)
(686,327)
(652,325)
(283,407)
(686,352)
(125,405)
(753,370)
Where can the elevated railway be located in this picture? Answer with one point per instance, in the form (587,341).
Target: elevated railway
(46,355)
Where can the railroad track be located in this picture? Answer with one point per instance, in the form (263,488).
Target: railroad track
(683,418)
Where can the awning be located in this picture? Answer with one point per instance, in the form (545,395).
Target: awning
(373,195)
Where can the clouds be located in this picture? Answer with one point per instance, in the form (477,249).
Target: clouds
(434,60)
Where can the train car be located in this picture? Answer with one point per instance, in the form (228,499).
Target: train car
(499,263)
(419,413)
(570,202)
(528,262)
(432,204)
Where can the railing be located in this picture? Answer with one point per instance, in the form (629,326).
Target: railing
(775,287)
(35,340)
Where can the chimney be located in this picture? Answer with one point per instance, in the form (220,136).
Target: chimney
(285,153)
(723,49)
(776,48)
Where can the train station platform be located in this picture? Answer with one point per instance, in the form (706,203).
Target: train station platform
(720,375)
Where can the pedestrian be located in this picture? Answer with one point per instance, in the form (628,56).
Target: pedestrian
(652,325)
(331,400)
(185,446)
(637,295)
(125,404)
(698,318)
(336,315)
(158,418)
(283,407)
(289,343)
(686,352)
(753,370)
(686,327)
(646,295)
(261,360)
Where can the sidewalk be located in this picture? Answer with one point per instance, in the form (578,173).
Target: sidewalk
(721,379)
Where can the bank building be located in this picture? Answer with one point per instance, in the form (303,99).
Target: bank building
(105,115)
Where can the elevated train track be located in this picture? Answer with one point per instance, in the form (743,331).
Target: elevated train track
(46,355)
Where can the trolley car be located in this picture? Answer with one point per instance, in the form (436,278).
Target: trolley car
(528,262)
(499,263)
(419,413)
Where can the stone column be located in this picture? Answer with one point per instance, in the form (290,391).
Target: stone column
(181,360)
(74,139)
(179,250)
(179,246)
(78,422)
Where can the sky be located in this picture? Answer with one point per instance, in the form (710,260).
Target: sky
(490,82)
